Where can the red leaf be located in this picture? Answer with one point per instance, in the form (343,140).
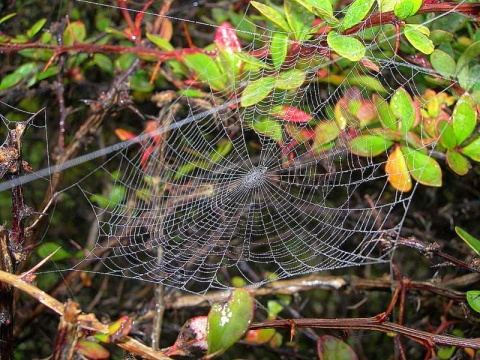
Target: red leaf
(292,114)
(152,128)
(146,154)
(226,38)
(124,135)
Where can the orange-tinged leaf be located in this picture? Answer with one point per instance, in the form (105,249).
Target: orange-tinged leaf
(260,336)
(397,171)
(124,135)
(153,129)
(92,350)
(146,155)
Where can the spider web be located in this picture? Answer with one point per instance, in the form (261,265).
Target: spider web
(210,194)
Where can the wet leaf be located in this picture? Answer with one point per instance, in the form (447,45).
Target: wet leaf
(417,35)
(369,145)
(291,114)
(401,105)
(257,90)
(406,8)
(457,162)
(332,348)
(473,299)
(252,61)
(191,338)
(300,21)
(278,49)
(92,350)
(356,12)
(423,168)
(471,241)
(268,127)
(74,32)
(160,42)
(472,150)
(322,8)
(229,321)
(290,79)
(446,134)
(443,63)
(226,38)
(464,118)
(385,114)
(397,171)
(325,132)
(273,15)
(465,63)
(346,46)
(45,249)
(207,70)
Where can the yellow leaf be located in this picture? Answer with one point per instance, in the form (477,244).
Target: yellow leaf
(397,171)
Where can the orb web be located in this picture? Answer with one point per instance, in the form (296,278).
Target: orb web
(216,191)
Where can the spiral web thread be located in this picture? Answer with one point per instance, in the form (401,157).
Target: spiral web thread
(217,199)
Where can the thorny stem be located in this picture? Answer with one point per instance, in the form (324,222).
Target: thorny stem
(371,323)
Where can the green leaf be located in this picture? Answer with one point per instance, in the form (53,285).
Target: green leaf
(423,168)
(300,22)
(278,49)
(402,107)
(406,8)
(290,79)
(346,46)
(36,28)
(229,321)
(385,114)
(473,299)
(468,59)
(356,12)
(272,15)
(257,90)
(160,42)
(417,35)
(325,131)
(255,63)
(74,32)
(92,350)
(472,150)
(207,70)
(7,17)
(369,145)
(331,348)
(464,118)
(140,81)
(457,162)
(18,75)
(471,241)
(443,63)
(322,8)
(446,134)
(48,248)
(103,62)
(224,148)
(268,127)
